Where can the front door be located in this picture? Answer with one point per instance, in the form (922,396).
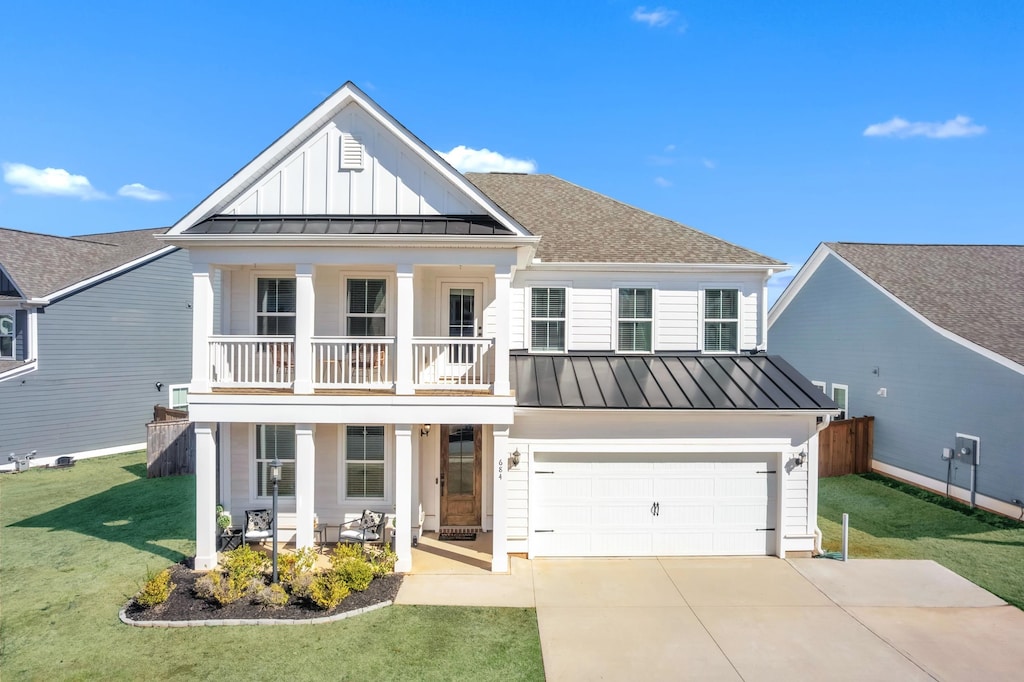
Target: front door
(460,475)
(463,321)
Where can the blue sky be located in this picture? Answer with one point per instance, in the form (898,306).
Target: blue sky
(772,125)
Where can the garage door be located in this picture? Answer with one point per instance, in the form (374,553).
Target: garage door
(653,505)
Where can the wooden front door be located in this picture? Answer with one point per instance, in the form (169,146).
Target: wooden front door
(460,475)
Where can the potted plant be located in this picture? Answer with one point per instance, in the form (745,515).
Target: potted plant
(223,519)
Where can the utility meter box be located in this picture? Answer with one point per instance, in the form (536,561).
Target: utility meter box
(967,449)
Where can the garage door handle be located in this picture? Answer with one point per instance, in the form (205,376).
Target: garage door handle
(764,472)
(543,472)
(552,530)
(764,529)
(655,508)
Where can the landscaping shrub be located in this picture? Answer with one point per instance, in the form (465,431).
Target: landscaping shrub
(273,596)
(156,590)
(328,590)
(382,560)
(302,584)
(346,550)
(355,572)
(244,564)
(217,587)
(292,566)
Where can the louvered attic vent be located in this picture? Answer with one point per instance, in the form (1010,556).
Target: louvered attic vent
(351,156)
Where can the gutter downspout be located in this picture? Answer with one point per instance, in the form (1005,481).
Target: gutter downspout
(762,343)
(818,550)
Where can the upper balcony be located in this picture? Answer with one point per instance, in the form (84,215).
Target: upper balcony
(336,328)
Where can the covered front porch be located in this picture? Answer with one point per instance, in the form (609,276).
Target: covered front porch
(427,476)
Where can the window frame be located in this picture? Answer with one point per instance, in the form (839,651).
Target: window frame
(347,279)
(256,314)
(255,460)
(704,319)
(13,314)
(822,385)
(618,319)
(845,413)
(531,318)
(170,396)
(343,497)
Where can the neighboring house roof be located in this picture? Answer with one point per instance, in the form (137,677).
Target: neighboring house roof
(475,225)
(662,381)
(577,225)
(42,264)
(970,293)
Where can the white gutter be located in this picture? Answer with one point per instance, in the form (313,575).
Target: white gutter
(66,291)
(659,267)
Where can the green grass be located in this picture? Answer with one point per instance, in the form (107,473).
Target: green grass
(892,520)
(75,544)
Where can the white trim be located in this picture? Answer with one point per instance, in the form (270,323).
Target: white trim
(822,385)
(443,292)
(84,454)
(389,468)
(935,485)
(254,495)
(815,261)
(313,121)
(96,279)
(390,295)
(647,268)
(170,395)
(845,408)
(13,314)
(5,273)
(21,370)
(254,288)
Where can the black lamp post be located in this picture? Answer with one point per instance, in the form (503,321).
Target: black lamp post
(275,478)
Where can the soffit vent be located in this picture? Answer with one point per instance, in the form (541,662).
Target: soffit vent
(351,156)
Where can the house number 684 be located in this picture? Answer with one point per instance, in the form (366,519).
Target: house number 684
(501,467)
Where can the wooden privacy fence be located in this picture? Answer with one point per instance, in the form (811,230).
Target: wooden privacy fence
(170,444)
(845,447)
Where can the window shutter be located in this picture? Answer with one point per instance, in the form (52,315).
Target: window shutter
(351,153)
(21,335)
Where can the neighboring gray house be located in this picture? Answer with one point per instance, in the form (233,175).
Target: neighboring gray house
(94,331)
(930,340)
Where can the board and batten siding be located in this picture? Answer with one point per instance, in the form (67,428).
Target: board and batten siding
(391,180)
(591,316)
(101,352)
(840,329)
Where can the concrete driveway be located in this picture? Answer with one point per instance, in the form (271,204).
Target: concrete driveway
(751,619)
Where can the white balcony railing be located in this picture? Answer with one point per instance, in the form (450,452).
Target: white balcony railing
(252,361)
(353,362)
(443,362)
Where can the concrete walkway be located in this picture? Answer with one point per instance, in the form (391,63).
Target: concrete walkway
(748,618)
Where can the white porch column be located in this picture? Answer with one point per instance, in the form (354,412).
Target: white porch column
(304,312)
(499,540)
(305,457)
(503,326)
(202,327)
(403,497)
(206,497)
(403,331)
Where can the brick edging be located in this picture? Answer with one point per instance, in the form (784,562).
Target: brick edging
(123,615)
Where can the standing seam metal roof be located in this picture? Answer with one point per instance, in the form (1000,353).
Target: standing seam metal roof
(662,381)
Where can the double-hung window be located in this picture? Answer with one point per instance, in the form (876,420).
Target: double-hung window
(275,441)
(721,320)
(275,306)
(7,336)
(367,307)
(636,319)
(841,396)
(364,462)
(547,319)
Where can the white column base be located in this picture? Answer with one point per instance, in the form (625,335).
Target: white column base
(499,541)
(403,497)
(305,456)
(206,497)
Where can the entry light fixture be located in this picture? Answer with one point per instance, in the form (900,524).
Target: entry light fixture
(800,459)
(425,429)
(513,459)
(159,385)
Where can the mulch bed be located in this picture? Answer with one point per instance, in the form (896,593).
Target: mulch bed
(184,605)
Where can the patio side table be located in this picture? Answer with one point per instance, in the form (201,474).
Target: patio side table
(230,539)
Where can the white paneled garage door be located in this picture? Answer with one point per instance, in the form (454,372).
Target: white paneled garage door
(653,505)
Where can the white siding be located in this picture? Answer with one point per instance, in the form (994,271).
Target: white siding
(310,180)
(517,310)
(795,517)
(677,326)
(591,315)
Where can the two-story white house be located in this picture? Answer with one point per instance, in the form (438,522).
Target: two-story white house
(511,353)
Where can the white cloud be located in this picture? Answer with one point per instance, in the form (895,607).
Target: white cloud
(137,190)
(778,283)
(960,126)
(710,164)
(49,181)
(467,160)
(659,17)
(662,182)
(669,148)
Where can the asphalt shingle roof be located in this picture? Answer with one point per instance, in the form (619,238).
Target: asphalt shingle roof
(577,225)
(976,292)
(40,264)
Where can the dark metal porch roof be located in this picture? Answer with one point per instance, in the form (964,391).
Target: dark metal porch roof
(460,225)
(662,382)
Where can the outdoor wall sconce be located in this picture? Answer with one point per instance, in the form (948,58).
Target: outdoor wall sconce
(513,459)
(800,459)
(159,385)
(425,429)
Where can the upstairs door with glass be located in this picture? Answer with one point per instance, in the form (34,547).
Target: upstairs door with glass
(462,361)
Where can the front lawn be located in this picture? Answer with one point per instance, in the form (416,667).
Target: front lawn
(75,544)
(904,523)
